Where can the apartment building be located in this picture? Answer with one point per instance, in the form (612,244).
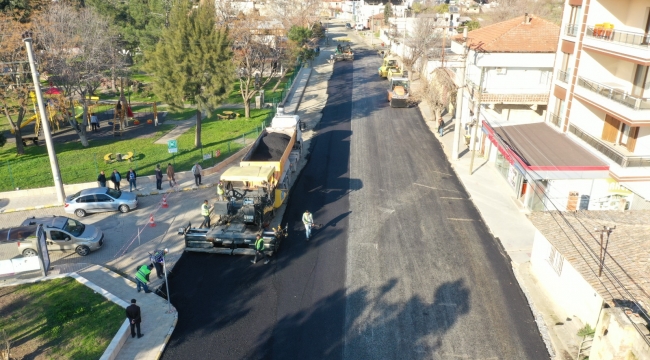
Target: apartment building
(600,95)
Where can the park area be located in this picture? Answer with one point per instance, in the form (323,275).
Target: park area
(79,164)
(57,319)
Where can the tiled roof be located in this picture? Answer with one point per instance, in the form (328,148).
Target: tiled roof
(627,251)
(513,36)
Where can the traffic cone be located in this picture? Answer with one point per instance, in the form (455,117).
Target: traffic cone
(151,222)
(164,204)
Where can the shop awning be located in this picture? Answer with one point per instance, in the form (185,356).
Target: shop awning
(545,154)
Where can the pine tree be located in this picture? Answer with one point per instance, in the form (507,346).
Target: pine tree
(192,61)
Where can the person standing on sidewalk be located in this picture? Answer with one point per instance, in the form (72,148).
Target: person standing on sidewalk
(205,212)
(170,175)
(158,177)
(116,178)
(259,250)
(196,170)
(101,179)
(308,220)
(135,318)
(132,176)
(441,126)
(157,259)
(142,278)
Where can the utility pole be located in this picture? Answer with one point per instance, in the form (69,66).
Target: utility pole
(54,163)
(477,111)
(603,247)
(459,100)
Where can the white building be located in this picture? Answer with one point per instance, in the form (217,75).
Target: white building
(508,74)
(566,262)
(601,87)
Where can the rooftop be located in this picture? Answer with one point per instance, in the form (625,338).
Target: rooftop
(549,154)
(626,264)
(515,36)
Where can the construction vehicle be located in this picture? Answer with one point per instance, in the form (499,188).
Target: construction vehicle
(399,92)
(387,64)
(344,53)
(254,190)
(397,71)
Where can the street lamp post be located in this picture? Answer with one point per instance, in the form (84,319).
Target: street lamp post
(56,174)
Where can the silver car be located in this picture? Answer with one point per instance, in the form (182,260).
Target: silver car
(63,233)
(98,200)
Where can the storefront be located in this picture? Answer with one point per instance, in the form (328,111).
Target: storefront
(527,158)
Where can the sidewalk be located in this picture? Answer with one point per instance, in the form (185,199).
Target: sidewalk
(117,277)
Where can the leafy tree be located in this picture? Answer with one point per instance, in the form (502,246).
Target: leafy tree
(471,25)
(300,34)
(441,9)
(388,12)
(22,10)
(259,55)
(16,82)
(77,72)
(192,61)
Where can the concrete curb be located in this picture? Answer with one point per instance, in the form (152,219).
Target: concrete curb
(29,208)
(120,337)
(169,335)
(302,93)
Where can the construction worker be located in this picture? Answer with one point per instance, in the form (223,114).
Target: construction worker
(142,278)
(308,220)
(220,191)
(259,250)
(157,259)
(205,212)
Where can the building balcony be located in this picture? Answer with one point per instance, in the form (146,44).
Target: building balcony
(571,30)
(613,99)
(618,156)
(534,95)
(634,45)
(563,76)
(555,119)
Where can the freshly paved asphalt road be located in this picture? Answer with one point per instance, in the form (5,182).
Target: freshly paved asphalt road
(403,267)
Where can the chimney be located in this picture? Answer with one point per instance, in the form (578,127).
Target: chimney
(527,18)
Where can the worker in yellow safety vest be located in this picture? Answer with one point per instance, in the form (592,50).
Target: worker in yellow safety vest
(205,212)
(220,191)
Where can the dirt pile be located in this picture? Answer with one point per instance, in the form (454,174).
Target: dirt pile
(271,147)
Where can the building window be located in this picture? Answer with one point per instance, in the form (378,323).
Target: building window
(555,259)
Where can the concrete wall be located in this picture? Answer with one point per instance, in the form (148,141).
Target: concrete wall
(606,70)
(617,338)
(642,147)
(517,80)
(568,289)
(587,118)
(628,15)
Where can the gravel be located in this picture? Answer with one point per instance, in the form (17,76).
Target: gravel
(271,147)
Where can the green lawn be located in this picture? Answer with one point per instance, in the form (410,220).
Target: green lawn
(177,114)
(79,164)
(58,319)
(235,95)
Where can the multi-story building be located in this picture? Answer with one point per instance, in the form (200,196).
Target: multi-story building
(601,87)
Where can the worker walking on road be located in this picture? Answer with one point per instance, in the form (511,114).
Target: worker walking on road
(220,191)
(259,250)
(308,220)
(142,278)
(157,259)
(205,212)
(135,318)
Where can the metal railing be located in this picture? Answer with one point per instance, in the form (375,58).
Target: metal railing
(607,150)
(618,36)
(555,119)
(563,76)
(618,95)
(571,30)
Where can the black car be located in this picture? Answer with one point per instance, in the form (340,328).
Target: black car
(348,26)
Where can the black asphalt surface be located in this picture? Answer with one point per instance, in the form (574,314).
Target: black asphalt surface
(403,267)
